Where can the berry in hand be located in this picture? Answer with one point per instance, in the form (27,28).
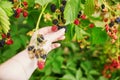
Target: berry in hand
(54,28)
(40,64)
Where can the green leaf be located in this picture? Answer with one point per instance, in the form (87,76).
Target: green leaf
(4,22)
(68,77)
(8,8)
(78,74)
(89,7)
(80,33)
(102,78)
(87,66)
(71,10)
(98,36)
(42,2)
(94,72)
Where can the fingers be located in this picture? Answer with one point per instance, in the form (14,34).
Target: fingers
(55,35)
(55,45)
(44,30)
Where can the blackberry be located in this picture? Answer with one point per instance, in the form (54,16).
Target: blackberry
(2,43)
(60,27)
(55,21)
(103,6)
(8,34)
(117,20)
(64,2)
(111,24)
(53,7)
(43,56)
(30,48)
(62,9)
(37,56)
(40,38)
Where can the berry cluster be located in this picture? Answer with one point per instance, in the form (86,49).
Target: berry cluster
(20,7)
(110,18)
(111,67)
(58,22)
(6,39)
(36,51)
(80,16)
(112,28)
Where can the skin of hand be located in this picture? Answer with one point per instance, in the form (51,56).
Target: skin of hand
(21,67)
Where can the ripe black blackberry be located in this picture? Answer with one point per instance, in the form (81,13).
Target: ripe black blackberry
(111,24)
(117,20)
(103,6)
(30,48)
(55,21)
(43,56)
(62,8)
(2,43)
(79,14)
(53,7)
(64,2)
(60,27)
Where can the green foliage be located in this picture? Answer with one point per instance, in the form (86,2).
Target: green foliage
(4,21)
(72,8)
(89,7)
(82,54)
(42,2)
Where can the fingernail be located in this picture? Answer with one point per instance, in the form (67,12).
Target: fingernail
(58,45)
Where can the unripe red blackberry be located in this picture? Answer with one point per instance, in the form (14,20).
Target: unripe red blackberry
(76,22)
(41,64)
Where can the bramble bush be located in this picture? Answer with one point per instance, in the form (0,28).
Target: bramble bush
(91,48)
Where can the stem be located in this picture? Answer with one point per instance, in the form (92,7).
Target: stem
(39,19)
(108,7)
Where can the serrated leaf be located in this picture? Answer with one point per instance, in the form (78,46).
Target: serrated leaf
(71,10)
(78,74)
(42,2)
(68,77)
(4,22)
(98,36)
(89,7)
(8,8)
(94,72)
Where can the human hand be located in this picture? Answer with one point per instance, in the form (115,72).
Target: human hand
(50,37)
(42,42)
